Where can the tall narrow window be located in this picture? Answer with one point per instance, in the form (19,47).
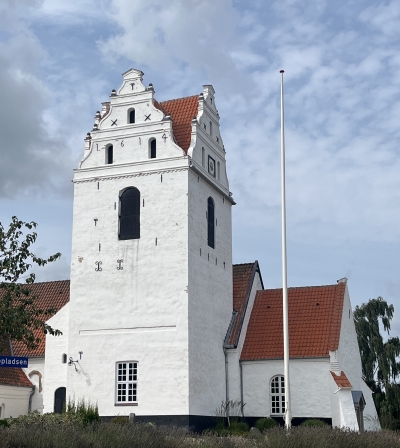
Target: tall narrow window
(203,157)
(211,129)
(218,170)
(110,155)
(132,116)
(153,149)
(129,214)
(126,382)
(278,395)
(210,223)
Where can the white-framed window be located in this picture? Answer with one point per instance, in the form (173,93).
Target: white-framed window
(277,393)
(126,375)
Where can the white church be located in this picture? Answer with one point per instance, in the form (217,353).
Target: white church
(156,320)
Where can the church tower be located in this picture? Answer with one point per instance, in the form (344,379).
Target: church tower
(151,272)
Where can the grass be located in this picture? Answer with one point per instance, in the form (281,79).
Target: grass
(57,433)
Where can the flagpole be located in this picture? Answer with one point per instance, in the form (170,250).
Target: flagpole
(287,415)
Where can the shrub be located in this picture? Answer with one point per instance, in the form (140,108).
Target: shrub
(313,423)
(45,420)
(3,423)
(87,412)
(265,423)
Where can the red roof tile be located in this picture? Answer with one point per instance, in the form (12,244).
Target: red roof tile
(243,276)
(315,315)
(49,295)
(12,376)
(341,380)
(182,112)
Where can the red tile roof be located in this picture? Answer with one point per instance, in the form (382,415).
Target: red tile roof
(12,376)
(49,295)
(341,380)
(315,315)
(182,112)
(243,277)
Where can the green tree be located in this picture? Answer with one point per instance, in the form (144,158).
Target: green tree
(379,358)
(19,313)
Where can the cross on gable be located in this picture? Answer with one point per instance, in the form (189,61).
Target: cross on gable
(147,117)
(114,122)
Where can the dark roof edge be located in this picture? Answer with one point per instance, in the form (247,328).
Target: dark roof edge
(256,269)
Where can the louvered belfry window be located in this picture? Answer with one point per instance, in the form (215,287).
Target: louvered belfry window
(129,214)
(210,223)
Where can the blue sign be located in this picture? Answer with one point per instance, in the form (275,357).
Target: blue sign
(13,361)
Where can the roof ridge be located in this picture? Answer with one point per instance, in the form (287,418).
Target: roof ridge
(50,281)
(300,287)
(177,99)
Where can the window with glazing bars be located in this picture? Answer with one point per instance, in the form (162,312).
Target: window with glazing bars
(278,395)
(126,390)
(129,214)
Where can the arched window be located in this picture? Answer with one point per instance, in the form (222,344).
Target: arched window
(59,399)
(131,116)
(129,214)
(110,155)
(211,129)
(210,222)
(64,358)
(277,395)
(203,157)
(152,149)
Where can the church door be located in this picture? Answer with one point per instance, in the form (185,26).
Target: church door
(59,399)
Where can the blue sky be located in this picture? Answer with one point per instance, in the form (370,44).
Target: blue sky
(59,60)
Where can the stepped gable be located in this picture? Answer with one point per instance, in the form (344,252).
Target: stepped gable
(243,276)
(182,112)
(49,295)
(315,316)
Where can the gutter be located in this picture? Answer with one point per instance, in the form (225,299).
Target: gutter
(226,377)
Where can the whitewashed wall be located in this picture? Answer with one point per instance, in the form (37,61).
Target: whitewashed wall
(210,296)
(138,313)
(309,385)
(349,360)
(14,400)
(55,371)
(210,269)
